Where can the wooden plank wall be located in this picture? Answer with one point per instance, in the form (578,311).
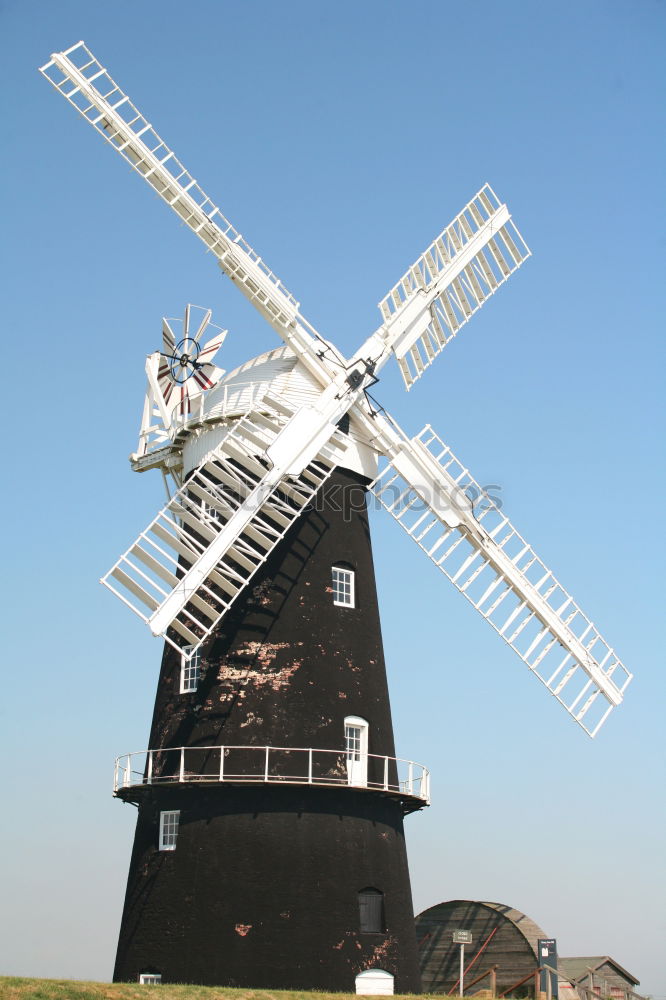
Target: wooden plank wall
(508,947)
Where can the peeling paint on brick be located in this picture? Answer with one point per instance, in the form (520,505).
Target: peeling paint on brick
(261,593)
(382,954)
(263,674)
(251,719)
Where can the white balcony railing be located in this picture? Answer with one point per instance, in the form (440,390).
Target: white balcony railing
(271,765)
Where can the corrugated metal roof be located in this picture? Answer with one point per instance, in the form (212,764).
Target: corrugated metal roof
(576,968)
(528,928)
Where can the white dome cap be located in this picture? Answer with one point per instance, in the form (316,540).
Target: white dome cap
(279,373)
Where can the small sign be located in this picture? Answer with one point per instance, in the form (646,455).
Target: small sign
(548,957)
(462,937)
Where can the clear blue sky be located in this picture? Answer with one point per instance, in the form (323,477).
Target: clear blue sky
(340,138)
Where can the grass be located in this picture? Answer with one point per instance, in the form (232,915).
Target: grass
(17,988)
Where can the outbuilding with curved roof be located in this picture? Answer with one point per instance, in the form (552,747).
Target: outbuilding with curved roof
(501,936)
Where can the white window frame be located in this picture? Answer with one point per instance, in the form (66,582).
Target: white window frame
(210,511)
(345,576)
(190,670)
(168,835)
(356,750)
(150,978)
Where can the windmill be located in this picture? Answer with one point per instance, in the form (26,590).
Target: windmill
(269,848)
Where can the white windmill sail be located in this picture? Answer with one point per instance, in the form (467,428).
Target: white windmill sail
(442,290)
(78,76)
(184,571)
(465,534)
(187,567)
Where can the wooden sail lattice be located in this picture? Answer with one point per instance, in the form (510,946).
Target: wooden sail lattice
(187,567)
(81,79)
(503,578)
(156,567)
(451,280)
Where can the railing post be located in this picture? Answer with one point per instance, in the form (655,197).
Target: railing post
(536,983)
(549,985)
(266,765)
(310,766)
(149,779)
(493,982)
(410,777)
(221,763)
(385,774)
(115,775)
(181,776)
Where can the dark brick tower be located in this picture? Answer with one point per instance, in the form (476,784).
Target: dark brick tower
(291,872)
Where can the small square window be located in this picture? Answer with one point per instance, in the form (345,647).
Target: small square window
(190,670)
(150,978)
(169,829)
(343,586)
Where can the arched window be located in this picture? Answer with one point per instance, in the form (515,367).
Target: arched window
(371,911)
(342,582)
(356,747)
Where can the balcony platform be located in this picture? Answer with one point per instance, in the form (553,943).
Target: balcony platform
(137,773)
